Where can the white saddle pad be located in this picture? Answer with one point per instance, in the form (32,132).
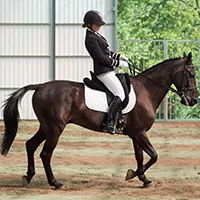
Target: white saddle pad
(97,100)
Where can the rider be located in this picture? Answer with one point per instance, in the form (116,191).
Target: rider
(105,62)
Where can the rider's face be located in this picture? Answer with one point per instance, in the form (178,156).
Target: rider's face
(95,27)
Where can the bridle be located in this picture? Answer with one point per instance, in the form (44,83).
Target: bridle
(186,77)
(186,74)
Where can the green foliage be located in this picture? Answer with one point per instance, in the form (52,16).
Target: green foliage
(179,111)
(147,31)
(158,19)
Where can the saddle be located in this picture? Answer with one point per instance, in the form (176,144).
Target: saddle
(96,84)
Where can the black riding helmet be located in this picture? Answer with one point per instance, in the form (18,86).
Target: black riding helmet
(93,17)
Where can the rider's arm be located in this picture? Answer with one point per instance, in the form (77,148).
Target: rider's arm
(115,55)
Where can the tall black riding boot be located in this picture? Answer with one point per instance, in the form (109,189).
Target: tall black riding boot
(109,124)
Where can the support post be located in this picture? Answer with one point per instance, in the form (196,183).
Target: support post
(52,40)
(166,97)
(115,26)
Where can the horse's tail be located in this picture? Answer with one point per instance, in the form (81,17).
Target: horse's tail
(11,116)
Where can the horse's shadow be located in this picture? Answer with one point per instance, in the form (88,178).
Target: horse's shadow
(72,183)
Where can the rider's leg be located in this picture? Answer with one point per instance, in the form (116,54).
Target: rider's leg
(109,124)
(111,81)
(114,85)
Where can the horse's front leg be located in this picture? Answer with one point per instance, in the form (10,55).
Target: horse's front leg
(140,168)
(142,143)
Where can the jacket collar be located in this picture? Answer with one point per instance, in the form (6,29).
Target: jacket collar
(98,35)
(90,30)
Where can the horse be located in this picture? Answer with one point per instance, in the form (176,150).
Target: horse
(58,103)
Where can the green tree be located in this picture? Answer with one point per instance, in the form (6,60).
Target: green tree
(158,19)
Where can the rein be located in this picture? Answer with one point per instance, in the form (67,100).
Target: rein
(132,68)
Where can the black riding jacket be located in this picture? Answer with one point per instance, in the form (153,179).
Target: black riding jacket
(104,60)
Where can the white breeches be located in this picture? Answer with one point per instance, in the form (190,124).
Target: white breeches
(111,81)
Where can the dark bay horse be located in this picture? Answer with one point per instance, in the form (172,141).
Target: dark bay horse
(59,103)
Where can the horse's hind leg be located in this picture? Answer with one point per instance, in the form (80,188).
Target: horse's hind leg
(52,136)
(31,146)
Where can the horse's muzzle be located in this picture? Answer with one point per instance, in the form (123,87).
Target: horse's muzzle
(187,102)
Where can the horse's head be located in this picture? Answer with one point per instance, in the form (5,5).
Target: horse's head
(184,80)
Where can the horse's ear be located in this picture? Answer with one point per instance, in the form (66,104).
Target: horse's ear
(189,58)
(184,55)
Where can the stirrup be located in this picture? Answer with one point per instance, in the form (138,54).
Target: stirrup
(108,128)
(120,123)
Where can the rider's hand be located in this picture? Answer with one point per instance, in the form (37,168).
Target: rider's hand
(123,57)
(123,63)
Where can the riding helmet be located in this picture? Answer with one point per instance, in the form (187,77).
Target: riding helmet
(93,17)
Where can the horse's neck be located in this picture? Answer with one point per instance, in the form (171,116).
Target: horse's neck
(158,80)
(161,75)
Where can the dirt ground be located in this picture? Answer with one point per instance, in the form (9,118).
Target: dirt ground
(92,166)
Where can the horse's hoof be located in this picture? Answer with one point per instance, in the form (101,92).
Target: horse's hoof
(146,183)
(130,174)
(57,185)
(25,180)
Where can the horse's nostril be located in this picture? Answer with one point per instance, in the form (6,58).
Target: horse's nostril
(194,100)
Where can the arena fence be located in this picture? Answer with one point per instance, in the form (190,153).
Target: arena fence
(146,53)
